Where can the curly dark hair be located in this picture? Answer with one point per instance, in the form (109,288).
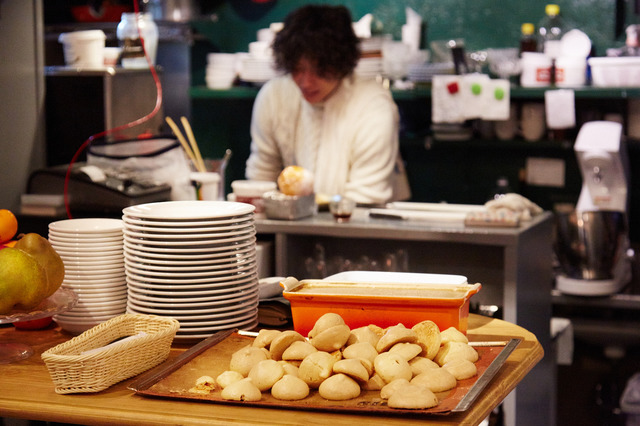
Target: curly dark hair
(321,34)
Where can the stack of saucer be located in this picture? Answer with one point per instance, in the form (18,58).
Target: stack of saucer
(194,261)
(221,70)
(92,252)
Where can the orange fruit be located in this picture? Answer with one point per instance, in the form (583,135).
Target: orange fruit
(8,225)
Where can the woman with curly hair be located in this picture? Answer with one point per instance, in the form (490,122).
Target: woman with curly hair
(322,117)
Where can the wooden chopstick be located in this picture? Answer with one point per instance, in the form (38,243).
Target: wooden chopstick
(194,144)
(183,141)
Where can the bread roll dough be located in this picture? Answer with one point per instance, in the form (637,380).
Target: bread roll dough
(265,373)
(461,368)
(290,388)
(339,387)
(392,366)
(435,379)
(413,398)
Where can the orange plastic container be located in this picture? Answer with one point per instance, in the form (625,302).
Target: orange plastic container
(381,303)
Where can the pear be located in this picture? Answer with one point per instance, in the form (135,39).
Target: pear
(21,280)
(42,251)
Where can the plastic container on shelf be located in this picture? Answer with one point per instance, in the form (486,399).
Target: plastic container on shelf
(129,30)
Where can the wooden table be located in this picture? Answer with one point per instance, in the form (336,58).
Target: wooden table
(28,392)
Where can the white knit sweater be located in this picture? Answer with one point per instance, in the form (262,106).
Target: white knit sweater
(350,142)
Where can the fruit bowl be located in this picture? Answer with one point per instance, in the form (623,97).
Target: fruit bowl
(60,301)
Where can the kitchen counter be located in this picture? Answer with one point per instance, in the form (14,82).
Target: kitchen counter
(28,392)
(514,266)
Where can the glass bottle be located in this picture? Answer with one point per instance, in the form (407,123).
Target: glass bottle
(528,41)
(550,31)
(129,30)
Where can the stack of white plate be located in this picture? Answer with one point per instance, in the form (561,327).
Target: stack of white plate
(369,67)
(257,69)
(92,252)
(221,70)
(194,261)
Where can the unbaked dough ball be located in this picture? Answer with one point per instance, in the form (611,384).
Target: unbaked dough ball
(428,336)
(243,359)
(316,368)
(339,387)
(243,390)
(265,373)
(225,378)
(435,379)
(392,366)
(461,368)
(412,397)
(453,350)
(364,350)
(290,388)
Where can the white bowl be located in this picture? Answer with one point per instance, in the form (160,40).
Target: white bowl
(615,72)
(86,226)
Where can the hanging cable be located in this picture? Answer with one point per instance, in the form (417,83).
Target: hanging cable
(129,125)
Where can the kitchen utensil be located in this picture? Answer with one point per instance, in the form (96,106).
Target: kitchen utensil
(592,241)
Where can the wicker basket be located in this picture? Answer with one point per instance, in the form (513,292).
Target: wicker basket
(73,370)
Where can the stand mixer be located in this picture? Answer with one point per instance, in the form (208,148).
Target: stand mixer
(592,241)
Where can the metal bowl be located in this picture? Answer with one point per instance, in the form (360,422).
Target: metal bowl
(589,245)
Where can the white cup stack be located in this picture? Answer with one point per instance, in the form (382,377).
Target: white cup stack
(221,70)
(92,252)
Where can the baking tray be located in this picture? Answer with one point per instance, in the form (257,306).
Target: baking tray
(211,357)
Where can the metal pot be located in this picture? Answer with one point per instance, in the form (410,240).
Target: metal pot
(588,246)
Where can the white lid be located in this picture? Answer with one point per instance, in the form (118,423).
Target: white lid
(205,177)
(82,35)
(576,43)
(252,188)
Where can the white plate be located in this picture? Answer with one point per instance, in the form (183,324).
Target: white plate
(172,249)
(96,287)
(182,304)
(152,291)
(90,255)
(86,240)
(87,237)
(171,285)
(93,246)
(247,260)
(191,328)
(95,275)
(230,312)
(248,325)
(187,230)
(190,257)
(93,260)
(97,281)
(93,270)
(214,237)
(203,280)
(160,265)
(189,210)
(87,226)
(87,293)
(179,276)
(194,243)
(188,225)
(189,296)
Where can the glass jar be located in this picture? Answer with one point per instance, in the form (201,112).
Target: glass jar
(129,39)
